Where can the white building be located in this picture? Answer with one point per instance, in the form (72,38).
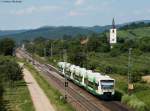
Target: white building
(113,34)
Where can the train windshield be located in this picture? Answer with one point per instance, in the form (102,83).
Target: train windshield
(107,84)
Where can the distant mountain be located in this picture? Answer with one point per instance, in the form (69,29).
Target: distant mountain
(53,32)
(98,29)
(139,21)
(7,32)
(49,32)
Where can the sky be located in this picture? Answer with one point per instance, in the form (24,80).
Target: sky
(30,14)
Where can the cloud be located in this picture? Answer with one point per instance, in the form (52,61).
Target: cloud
(79,2)
(75,13)
(34,9)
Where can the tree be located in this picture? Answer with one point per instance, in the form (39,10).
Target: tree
(94,44)
(10,70)
(7,46)
(144,44)
(39,40)
(129,43)
(80,59)
(1,97)
(1,91)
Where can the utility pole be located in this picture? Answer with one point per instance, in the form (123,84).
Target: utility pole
(130,84)
(66,82)
(65,60)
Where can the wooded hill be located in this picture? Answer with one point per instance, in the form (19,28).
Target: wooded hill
(133,29)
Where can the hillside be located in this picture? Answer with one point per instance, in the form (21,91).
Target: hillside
(9,32)
(50,32)
(131,29)
(133,33)
(138,32)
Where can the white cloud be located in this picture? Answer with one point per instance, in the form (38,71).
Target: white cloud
(137,12)
(148,11)
(34,9)
(79,2)
(75,13)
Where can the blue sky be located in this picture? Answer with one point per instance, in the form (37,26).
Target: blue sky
(37,13)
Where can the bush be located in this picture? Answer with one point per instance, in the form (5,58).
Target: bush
(7,46)
(92,65)
(10,70)
(117,95)
(114,52)
(1,91)
(137,52)
(136,76)
(125,99)
(134,102)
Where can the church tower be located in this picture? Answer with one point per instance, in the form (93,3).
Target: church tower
(113,34)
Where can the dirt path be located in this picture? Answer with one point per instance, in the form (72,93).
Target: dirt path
(40,100)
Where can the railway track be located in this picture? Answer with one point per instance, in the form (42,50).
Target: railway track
(78,97)
(75,98)
(112,105)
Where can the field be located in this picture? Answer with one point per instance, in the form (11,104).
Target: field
(18,98)
(119,64)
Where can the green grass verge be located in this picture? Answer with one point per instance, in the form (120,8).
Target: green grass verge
(140,98)
(53,94)
(135,103)
(17,98)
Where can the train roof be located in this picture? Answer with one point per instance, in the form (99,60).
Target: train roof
(82,71)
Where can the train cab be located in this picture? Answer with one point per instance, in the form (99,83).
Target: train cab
(107,86)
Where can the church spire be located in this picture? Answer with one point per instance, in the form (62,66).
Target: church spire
(113,24)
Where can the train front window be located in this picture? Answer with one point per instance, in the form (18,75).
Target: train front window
(107,84)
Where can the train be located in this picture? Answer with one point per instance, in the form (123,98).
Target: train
(94,82)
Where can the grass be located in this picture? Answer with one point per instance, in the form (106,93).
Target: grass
(53,94)
(120,83)
(134,102)
(140,98)
(17,98)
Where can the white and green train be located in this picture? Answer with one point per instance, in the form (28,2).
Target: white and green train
(94,82)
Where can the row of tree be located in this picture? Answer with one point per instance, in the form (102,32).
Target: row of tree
(135,25)
(96,43)
(9,68)
(79,53)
